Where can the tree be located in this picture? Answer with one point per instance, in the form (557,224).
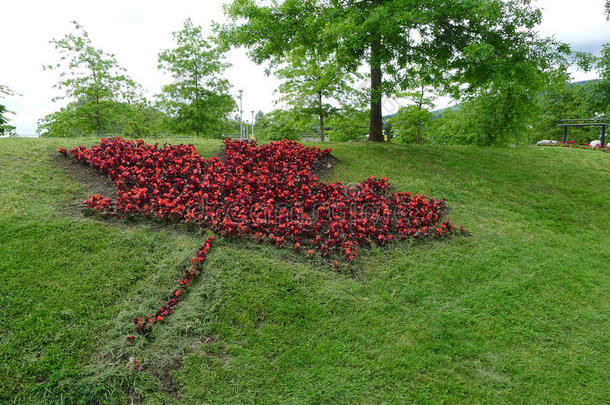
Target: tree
(311,79)
(416,115)
(459,42)
(349,124)
(68,121)
(561,101)
(598,98)
(407,123)
(90,77)
(5,128)
(198,100)
(282,124)
(137,119)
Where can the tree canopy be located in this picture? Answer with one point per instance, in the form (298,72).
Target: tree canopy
(128,119)
(311,82)
(282,124)
(91,78)
(198,100)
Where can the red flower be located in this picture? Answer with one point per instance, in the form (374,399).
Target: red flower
(130,341)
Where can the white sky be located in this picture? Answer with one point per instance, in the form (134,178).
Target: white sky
(135,31)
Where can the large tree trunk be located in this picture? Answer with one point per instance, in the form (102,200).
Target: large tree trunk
(321,111)
(376,126)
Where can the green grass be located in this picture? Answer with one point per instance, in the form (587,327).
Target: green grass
(516,313)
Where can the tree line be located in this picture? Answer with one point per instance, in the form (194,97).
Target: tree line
(103,99)
(485,54)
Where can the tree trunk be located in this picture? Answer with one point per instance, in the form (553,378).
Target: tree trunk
(420,106)
(321,116)
(376,126)
(97,115)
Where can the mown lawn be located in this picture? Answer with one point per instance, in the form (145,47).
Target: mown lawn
(516,313)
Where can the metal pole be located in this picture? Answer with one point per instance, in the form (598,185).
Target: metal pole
(241,104)
(603,139)
(565,134)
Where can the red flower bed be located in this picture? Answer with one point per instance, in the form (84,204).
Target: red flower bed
(267,192)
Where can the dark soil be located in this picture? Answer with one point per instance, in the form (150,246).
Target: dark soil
(325,166)
(169,384)
(87,176)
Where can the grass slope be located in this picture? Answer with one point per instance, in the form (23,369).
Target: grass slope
(518,312)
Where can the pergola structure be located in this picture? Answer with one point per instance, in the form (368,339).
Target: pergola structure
(588,122)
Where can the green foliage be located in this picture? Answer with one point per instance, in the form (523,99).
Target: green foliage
(136,119)
(350,124)
(491,118)
(406,122)
(463,44)
(562,102)
(454,126)
(198,100)
(90,77)
(258,116)
(566,101)
(505,110)
(140,119)
(5,128)
(71,120)
(283,124)
(409,122)
(311,81)
(476,120)
(599,96)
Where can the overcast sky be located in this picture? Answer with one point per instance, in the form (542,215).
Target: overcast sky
(135,31)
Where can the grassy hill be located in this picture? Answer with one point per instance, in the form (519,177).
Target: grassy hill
(517,312)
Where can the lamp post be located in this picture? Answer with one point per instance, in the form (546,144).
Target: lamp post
(241,110)
(252,123)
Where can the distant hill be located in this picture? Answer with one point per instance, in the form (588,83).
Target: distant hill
(583,82)
(437,113)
